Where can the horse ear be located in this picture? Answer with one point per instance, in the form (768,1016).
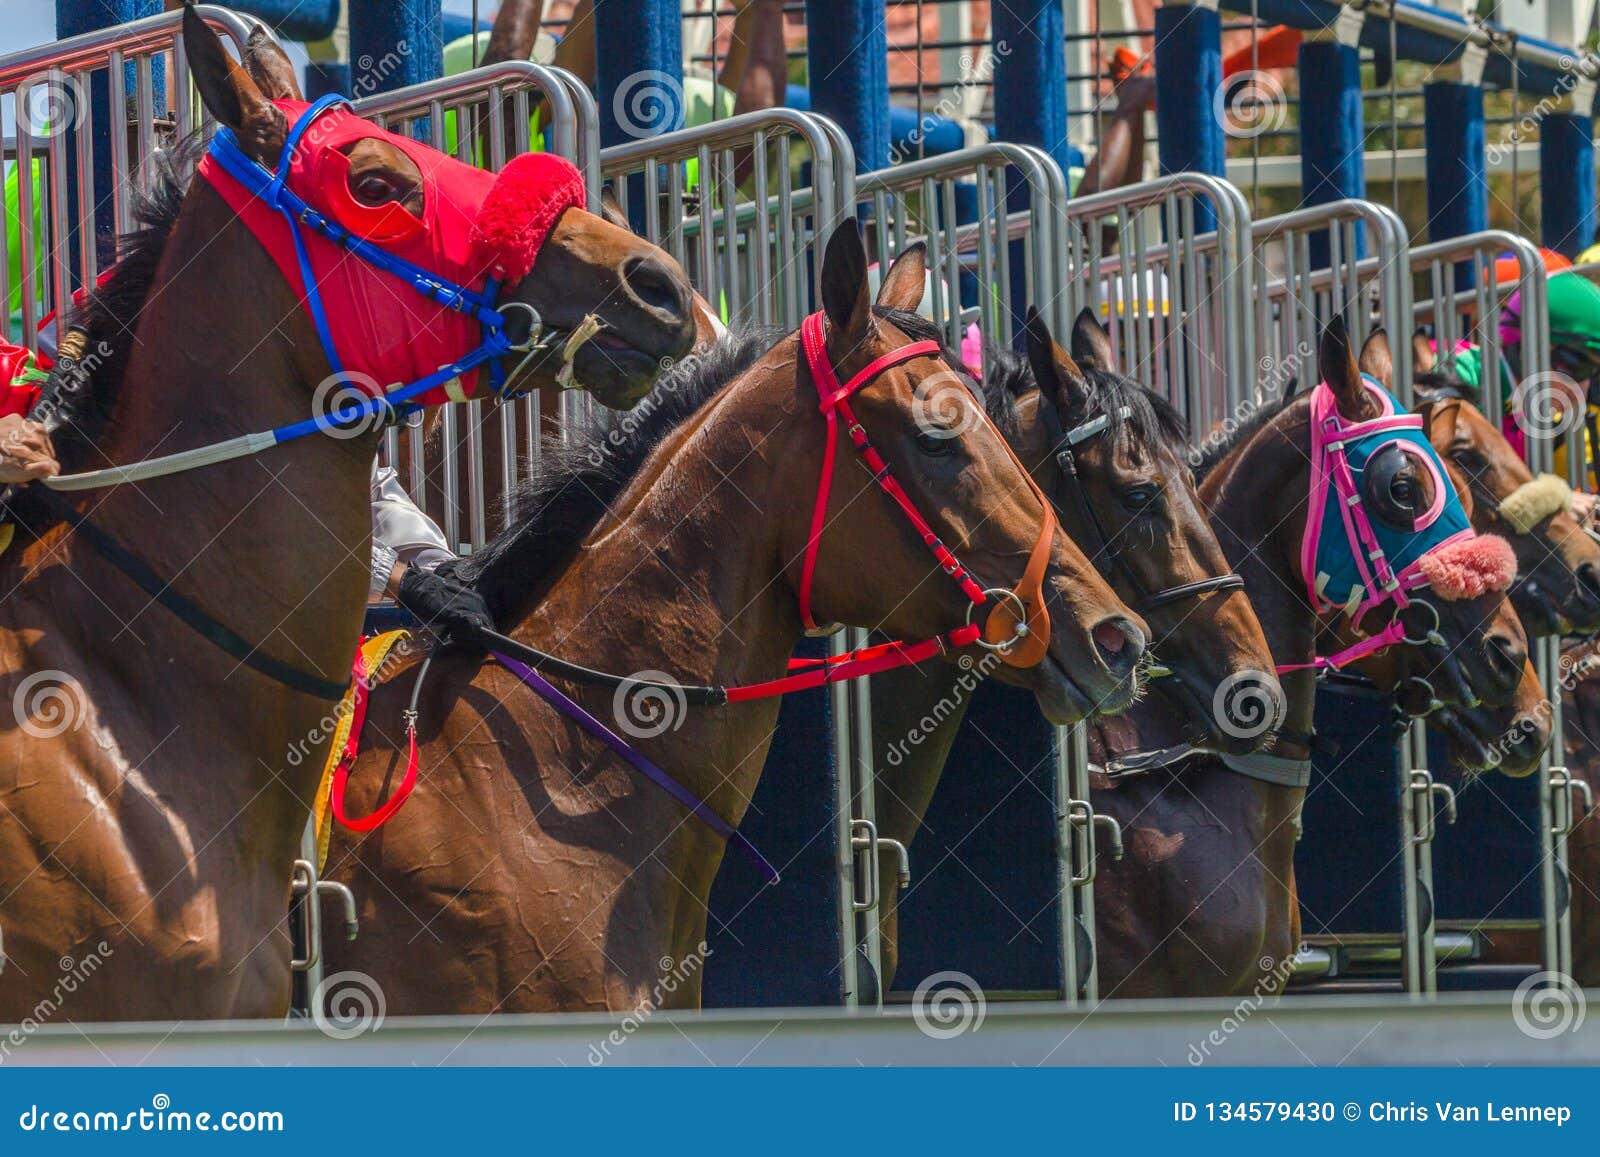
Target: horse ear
(229,93)
(611,209)
(903,284)
(270,67)
(1091,344)
(1376,359)
(1058,377)
(1423,357)
(844,289)
(1336,362)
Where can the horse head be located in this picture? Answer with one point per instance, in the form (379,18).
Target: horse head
(1112,457)
(584,302)
(1082,646)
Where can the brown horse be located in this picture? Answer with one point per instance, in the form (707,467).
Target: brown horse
(1580,669)
(532,870)
(155,787)
(1203,901)
(1132,503)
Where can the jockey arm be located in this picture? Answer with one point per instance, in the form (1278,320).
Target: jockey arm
(25,451)
(410,560)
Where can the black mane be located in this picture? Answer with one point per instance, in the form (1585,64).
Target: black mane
(581,478)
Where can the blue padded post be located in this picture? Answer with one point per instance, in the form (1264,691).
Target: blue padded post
(1331,133)
(847,54)
(1458,189)
(1567,182)
(780,945)
(294,19)
(73,18)
(394,43)
(1030,76)
(1188,78)
(640,64)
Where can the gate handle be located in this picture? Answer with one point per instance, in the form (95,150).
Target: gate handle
(1113,834)
(903,874)
(1449,794)
(1564,784)
(867,843)
(1079,834)
(1419,797)
(305,884)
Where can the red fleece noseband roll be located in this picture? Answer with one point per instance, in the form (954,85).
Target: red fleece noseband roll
(1471,567)
(527,198)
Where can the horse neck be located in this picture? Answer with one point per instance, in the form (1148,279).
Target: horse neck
(684,579)
(275,546)
(1257,498)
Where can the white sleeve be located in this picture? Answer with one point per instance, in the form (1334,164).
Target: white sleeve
(400,531)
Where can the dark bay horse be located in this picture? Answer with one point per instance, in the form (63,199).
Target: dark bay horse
(1203,901)
(156,787)
(531,870)
(1131,503)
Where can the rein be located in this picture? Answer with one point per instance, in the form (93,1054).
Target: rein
(1028,624)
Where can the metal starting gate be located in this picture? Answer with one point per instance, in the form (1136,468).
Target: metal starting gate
(72,201)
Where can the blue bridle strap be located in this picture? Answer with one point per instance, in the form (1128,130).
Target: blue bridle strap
(271,188)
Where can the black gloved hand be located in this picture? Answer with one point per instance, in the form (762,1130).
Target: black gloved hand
(446,605)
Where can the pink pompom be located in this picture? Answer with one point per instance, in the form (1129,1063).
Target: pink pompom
(972,350)
(521,208)
(1470,567)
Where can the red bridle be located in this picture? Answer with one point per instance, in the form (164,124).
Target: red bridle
(1019,626)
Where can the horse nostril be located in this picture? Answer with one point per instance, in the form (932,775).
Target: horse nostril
(1507,658)
(652,284)
(1120,644)
(1589,579)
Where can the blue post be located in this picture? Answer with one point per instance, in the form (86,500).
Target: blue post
(394,43)
(1332,134)
(1567,182)
(847,52)
(298,20)
(639,58)
(1188,81)
(1030,76)
(1458,188)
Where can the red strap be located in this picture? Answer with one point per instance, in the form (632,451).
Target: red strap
(352,747)
(856,665)
(385,813)
(1388,637)
(831,395)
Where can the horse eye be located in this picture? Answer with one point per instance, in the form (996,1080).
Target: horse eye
(935,443)
(375,189)
(1404,491)
(1139,498)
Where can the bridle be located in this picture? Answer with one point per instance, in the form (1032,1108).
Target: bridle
(1017,628)
(269,186)
(1145,599)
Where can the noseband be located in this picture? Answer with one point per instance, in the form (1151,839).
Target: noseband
(1018,626)
(1146,599)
